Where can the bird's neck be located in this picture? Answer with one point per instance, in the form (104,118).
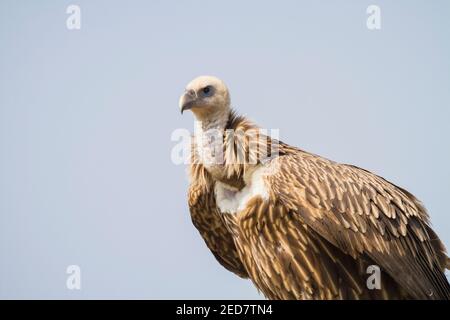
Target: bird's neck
(211,149)
(216,121)
(209,135)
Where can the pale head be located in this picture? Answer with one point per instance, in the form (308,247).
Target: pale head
(207,97)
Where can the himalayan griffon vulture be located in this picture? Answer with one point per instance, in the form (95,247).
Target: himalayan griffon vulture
(298,225)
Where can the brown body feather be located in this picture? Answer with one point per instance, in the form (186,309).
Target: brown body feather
(322,225)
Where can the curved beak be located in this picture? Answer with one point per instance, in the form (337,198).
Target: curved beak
(187,100)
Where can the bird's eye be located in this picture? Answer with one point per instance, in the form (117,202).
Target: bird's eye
(207,90)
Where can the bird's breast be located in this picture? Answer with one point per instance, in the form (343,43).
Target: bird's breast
(230,199)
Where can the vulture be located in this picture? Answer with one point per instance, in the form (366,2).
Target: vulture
(298,225)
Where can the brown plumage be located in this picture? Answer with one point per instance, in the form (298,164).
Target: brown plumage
(301,226)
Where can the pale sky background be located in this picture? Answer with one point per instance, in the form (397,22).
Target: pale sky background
(86,116)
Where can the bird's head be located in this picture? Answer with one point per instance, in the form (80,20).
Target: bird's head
(207,97)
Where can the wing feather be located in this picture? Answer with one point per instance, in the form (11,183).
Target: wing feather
(208,221)
(287,259)
(364,215)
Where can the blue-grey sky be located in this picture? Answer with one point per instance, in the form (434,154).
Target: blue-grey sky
(86,117)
